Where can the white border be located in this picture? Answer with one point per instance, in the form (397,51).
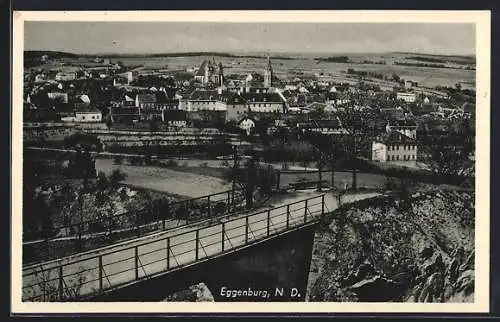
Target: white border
(482,20)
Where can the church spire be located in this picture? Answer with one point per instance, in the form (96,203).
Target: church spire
(268,73)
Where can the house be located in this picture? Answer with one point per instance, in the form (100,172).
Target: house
(236,107)
(40,78)
(203,100)
(145,100)
(403,126)
(328,127)
(409,84)
(84,116)
(394,146)
(176,118)
(66,76)
(58,96)
(407,97)
(317,106)
(247,125)
(131,76)
(264,102)
(125,114)
(393,113)
(468,109)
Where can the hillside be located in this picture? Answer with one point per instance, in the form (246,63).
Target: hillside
(380,249)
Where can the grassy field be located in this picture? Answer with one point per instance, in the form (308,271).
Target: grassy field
(171,181)
(429,77)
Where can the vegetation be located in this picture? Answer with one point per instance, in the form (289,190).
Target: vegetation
(252,178)
(422,251)
(334,59)
(426,59)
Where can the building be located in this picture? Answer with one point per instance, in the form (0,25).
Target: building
(268,74)
(84,116)
(394,146)
(407,97)
(131,76)
(410,84)
(66,76)
(176,118)
(58,96)
(210,72)
(236,106)
(247,125)
(203,100)
(124,114)
(145,100)
(403,126)
(264,102)
(327,127)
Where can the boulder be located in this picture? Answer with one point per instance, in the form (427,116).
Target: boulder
(468,263)
(426,252)
(195,293)
(376,289)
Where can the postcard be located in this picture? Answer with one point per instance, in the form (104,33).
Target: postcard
(250,161)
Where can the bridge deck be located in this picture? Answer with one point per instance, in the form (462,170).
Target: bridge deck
(113,267)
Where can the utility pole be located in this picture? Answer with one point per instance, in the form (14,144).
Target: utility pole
(354,153)
(235,166)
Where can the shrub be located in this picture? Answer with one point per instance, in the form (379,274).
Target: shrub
(116,176)
(118,159)
(172,163)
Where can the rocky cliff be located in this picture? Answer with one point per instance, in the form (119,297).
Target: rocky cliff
(414,249)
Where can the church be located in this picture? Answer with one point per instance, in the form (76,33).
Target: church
(210,72)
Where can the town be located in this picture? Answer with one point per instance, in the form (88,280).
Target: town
(118,147)
(400,122)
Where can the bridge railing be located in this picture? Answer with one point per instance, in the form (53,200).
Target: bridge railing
(159,215)
(86,277)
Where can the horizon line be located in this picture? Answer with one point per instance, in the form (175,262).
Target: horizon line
(246,52)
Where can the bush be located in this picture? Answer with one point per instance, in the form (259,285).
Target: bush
(116,176)
(118,159)
(172,163)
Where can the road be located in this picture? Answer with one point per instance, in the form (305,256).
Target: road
(119,260)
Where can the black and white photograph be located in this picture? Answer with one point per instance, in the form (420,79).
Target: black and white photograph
(162,158)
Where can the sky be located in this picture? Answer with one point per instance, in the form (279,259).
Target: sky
(171,37)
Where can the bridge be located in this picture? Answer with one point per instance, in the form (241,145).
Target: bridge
(95,273)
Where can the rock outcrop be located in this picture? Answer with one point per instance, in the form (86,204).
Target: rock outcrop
(376,250)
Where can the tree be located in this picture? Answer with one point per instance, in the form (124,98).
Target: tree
(252,178)
(102,181)
(447,162)
(116,176)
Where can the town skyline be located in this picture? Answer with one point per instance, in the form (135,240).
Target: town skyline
(141,38)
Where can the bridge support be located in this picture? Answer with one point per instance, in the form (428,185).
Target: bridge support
(278,265)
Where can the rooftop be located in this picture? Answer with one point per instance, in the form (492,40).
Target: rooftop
(146,98)
(395,138)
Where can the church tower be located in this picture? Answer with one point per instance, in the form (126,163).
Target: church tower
(268,74)
(206,76)
(221,75)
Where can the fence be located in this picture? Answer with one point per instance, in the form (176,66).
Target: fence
(310,179)
(160,215)
(83,278)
